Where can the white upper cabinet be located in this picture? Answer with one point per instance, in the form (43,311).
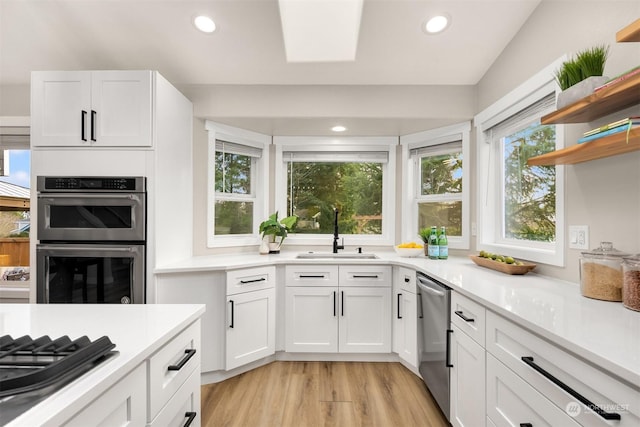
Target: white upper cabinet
(91,108)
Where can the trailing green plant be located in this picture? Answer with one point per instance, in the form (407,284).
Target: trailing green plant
(278,228)
(589,62)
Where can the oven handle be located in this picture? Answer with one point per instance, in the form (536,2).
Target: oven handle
(131,196)
(83,248)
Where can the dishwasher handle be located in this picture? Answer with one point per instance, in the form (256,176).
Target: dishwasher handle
(423,283)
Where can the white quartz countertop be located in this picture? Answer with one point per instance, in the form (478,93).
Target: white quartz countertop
(137,330)
(604,333)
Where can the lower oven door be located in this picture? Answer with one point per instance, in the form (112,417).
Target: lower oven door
(90,273)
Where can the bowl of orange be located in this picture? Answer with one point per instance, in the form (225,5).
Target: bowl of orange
(409,249)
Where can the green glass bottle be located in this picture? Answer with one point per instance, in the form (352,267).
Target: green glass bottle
(433,249)
(443,244)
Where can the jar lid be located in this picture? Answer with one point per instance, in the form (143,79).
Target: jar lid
(606,250)
(633,259)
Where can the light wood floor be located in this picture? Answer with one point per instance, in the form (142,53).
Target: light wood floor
(307,394)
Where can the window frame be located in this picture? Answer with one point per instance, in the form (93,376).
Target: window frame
(411,174)
(337,145)
(259,182)
(489,203)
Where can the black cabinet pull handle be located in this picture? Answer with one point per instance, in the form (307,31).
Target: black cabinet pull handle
(334,303)
(398,315)
(341,303)
(93,125)
(189,354)
(312,276)
(365,276)
(421,316)
(190,416)
(447,357)
(232,314)
(83,116)
(463,317)
(262,279)
(526,425)
(595,408)
(407,279)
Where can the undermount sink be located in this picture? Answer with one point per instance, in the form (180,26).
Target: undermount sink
(328,255)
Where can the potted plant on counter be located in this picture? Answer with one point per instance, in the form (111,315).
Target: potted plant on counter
(424,235)
(274,231)
(580,76)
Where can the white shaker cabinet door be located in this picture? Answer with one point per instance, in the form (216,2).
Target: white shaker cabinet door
(60,108)
(121,108)
(467,381)
(365,320)
(251,327)
(311,319)
(407,315)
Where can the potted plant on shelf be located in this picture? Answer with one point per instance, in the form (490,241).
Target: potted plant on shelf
(274,231)
(580,76)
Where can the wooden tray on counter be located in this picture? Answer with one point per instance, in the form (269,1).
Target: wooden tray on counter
(503,267)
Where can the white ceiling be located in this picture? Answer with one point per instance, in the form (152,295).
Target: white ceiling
(247,47)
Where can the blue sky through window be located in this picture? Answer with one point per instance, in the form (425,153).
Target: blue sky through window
(19,168)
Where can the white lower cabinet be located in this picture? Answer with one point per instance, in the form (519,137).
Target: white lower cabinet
(325,317)
(251,315)
(467,379)
(251,327)
(123,404)
(311,319)
(365,320)
(513,402)
(163,390)
(184,407)
(405,316)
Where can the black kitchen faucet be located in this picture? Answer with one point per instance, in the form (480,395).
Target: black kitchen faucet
(336,246)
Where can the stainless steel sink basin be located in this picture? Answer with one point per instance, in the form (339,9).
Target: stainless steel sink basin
(328,255)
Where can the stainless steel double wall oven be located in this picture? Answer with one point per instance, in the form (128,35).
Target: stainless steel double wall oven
(92,240)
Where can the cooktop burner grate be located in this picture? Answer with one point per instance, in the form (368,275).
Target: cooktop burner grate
(28,364)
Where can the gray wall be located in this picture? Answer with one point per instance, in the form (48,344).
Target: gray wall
(603,194)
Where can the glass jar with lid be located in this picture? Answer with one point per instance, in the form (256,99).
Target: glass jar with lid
(631,282)
(601,273)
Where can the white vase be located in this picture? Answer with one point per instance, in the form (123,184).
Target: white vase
(579,90)
(264,247)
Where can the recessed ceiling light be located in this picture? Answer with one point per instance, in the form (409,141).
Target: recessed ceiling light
(204,24)
(436,24)
(338,128)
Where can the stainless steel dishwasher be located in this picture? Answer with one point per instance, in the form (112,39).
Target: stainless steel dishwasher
(433,338)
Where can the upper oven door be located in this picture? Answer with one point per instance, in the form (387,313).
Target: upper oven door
(91,217)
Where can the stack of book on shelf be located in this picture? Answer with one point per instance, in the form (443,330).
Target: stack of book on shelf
(622,125)
(618,79)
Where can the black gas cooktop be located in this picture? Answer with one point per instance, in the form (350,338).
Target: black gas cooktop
(32,369)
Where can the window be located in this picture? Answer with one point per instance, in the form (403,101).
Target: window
(238,183)
(520,207)
(437,183)
(351,175)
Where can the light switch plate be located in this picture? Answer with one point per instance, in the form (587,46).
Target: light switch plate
(578,237)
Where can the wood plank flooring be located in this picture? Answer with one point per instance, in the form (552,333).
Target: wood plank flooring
(309,394)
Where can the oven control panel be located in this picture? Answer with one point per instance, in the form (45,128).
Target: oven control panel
(64,183)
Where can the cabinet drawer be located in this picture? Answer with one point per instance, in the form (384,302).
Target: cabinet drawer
(311,275)
(469,316)
(365,275)
(545,367)
(250,279)
(407,279)
(513,402)
(184,405)
(170,366)
(123,404)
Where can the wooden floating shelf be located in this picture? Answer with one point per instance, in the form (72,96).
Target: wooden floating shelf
(630,33)
(606,146)
(601,103)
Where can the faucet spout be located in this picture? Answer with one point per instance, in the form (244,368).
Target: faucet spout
(336,246)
